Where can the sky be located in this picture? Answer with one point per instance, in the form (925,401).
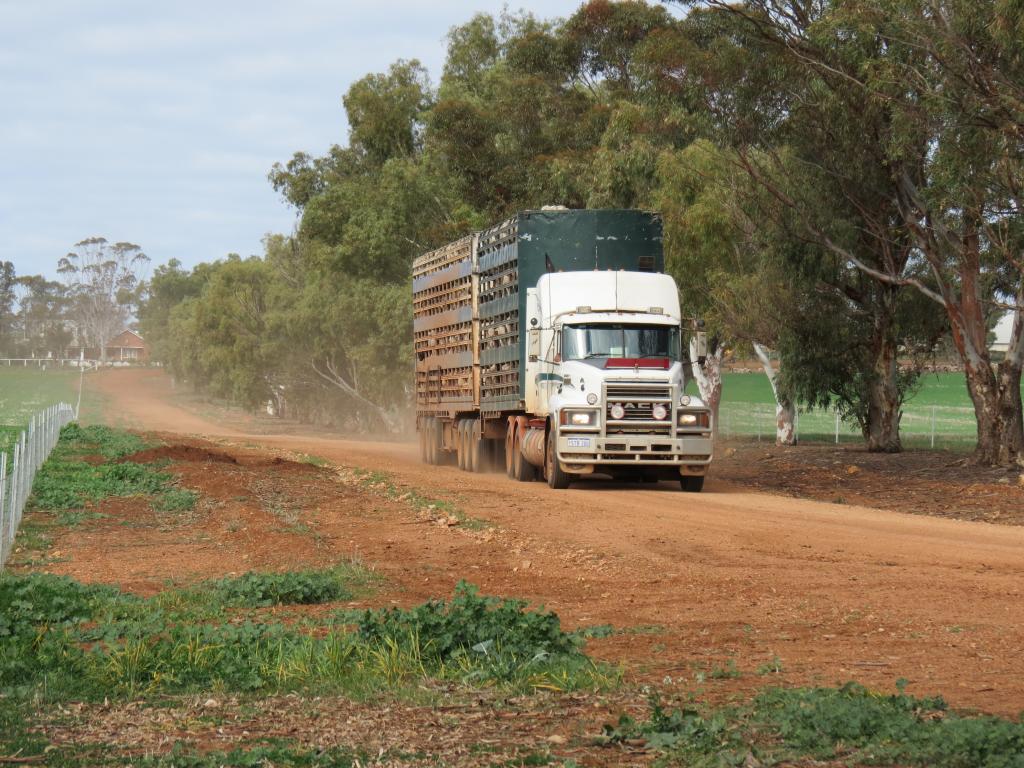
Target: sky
(157,123)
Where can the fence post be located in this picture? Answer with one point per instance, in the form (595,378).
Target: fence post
(15,491)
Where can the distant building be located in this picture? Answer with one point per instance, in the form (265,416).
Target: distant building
(126,347)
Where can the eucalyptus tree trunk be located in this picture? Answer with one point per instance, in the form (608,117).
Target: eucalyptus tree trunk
(995,393)
(785,409)
(709,380)
(881,427)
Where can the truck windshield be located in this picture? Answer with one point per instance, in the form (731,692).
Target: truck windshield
(581,342)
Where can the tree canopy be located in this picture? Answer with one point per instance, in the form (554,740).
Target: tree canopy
(847,173)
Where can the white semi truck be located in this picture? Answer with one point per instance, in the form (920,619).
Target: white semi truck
(556,341)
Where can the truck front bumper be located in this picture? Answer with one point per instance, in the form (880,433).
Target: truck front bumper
(585,453)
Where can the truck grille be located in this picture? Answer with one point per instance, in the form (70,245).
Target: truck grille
(618,391)
(638,399)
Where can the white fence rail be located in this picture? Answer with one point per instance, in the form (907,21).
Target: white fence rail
(18,469)
(922,426)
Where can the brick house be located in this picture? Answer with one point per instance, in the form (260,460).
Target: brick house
(126,347)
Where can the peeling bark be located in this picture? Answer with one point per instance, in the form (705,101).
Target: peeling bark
(995,393)
(709,380)
(785,409)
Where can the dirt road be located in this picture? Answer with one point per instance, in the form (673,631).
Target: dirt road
(824,592)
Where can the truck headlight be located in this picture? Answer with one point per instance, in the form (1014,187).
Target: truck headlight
(579,418)
(592,398)
(659,411)
(694,419)
(617,411)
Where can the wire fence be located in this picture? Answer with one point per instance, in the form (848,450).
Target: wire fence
(28,450)
(926,426)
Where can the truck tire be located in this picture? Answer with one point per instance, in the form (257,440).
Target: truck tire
(557,478)
(522,470)
(437,442)
(474,446)
(692,484)
(496,455)
(510,449)
(428,440)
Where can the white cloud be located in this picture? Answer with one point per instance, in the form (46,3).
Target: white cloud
(158,123)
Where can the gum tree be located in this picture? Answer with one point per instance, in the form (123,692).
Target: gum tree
(941,109)
(103,281)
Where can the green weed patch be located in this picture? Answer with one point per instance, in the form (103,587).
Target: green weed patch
(91,642)
(84,469)
(109,443)
(176,500)
(850,724)
(292,588)
(486,639)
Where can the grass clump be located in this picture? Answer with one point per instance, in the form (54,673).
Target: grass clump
(8,435)
(850,724)
(176,500)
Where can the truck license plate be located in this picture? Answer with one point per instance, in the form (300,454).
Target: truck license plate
(579,442)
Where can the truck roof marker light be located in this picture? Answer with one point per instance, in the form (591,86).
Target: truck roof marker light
(656,310)
(583,310)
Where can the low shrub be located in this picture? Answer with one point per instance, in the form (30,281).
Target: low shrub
(294,587)
(30,602)
(472,622)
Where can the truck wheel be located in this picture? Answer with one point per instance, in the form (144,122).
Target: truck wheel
(557,478)
(522,470)
(474,446)
(437,442)
(693,484)
(428,440)
(460,444)
(510,450)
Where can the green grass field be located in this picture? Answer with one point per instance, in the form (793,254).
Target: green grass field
(942,404)
(26,391)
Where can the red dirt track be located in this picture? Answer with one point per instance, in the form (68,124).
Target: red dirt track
(835,592)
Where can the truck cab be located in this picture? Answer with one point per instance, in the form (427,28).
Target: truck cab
(607,371)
